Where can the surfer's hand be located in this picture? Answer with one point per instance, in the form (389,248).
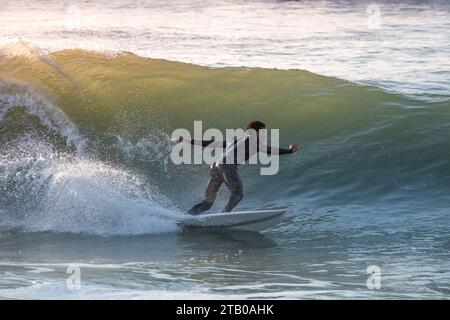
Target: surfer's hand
(180,139)
(293,147)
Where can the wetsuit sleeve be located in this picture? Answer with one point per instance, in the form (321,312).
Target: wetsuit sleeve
(209,143)
(273,150)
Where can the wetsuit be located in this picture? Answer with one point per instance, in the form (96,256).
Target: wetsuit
(237,151)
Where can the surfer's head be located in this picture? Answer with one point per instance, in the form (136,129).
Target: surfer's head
(256,126)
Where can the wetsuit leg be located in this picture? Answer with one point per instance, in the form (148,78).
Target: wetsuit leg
(233,181)
(214,183)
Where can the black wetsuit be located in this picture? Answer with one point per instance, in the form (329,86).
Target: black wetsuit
(226,170)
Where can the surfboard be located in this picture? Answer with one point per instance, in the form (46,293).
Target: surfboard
(257,220)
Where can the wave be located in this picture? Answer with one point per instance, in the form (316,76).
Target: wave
(78,127)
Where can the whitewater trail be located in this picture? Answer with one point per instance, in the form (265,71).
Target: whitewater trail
(46,189)
(66,194)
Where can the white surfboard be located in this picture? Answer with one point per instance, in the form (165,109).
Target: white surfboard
(239,220)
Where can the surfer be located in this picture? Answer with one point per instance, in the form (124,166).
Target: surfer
(225,169)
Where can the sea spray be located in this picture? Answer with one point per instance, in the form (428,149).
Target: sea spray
(42,190)
(46,185)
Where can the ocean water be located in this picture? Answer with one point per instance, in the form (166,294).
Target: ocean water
(90,93)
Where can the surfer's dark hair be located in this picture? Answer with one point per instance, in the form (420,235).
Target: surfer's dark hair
(256,125)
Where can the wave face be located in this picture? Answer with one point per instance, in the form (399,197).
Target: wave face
(84,140)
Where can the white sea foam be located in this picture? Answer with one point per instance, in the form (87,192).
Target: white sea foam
(67,194)
(54,191)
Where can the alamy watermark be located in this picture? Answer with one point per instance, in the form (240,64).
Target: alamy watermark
(73,17)
(374,16)
(235,146)
(73,282)
(374,280)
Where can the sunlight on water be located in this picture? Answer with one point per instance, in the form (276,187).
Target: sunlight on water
(401,46)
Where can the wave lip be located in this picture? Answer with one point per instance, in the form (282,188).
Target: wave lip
(14,95)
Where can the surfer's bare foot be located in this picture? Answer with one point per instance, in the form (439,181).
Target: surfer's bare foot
(293,147)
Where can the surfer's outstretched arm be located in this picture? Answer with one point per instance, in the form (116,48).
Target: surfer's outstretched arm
(277,151)
(204,143)
(209,143)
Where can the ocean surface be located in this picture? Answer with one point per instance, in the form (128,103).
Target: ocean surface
(90,92)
